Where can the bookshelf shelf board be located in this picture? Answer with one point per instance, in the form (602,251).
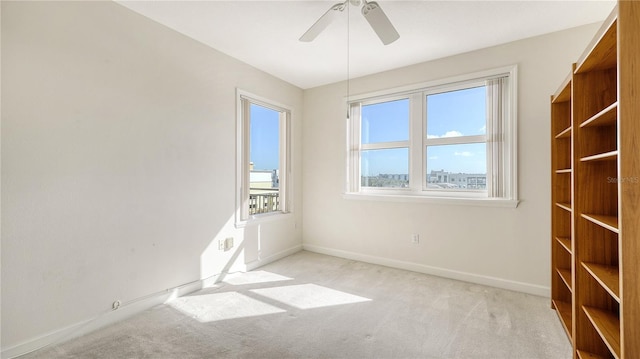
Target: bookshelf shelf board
(607,276)
(608,222)
(606,117)
(566,243)
(566,133)
(565,274)
(607,325)
(607,156)
(564,312)
(586,355)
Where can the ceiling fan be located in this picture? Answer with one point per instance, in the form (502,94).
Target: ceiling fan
(370,10)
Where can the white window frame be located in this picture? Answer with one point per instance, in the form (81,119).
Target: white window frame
(501,189)
(244,100)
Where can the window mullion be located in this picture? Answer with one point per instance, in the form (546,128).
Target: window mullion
(460,140)
(384,145)
(416,153)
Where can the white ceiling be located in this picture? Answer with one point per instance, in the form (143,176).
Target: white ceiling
(265,34)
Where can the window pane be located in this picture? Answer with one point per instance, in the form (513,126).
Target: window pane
(461,167)
(457,113)
(385,168)
(385,122)
(264,166)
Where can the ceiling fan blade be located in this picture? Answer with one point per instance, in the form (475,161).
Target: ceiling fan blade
(322,22)
(380,22)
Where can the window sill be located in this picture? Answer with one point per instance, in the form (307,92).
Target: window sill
(263,218)
(407,198)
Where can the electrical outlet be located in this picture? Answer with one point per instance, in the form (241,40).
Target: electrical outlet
(415,238)
(225,244)
(228,243)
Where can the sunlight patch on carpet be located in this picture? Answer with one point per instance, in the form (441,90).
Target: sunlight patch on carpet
(308,296)
(222,306)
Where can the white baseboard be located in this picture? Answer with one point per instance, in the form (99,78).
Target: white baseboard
(440,272)
(272,258)
(101,320)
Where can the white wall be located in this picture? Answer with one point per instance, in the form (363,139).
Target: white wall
(499,246)
(118,166)
(117,176)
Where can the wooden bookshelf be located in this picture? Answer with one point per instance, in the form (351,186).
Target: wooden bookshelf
(595,178)
(561,178)
(629,173)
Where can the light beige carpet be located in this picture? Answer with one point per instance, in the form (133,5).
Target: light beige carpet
(315,306)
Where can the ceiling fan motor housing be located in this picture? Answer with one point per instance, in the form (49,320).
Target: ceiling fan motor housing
(372,13)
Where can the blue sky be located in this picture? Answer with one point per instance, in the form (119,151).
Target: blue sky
(265,134)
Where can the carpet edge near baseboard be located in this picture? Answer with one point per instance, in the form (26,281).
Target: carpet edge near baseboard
(496,282)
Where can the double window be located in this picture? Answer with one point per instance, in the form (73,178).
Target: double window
(451,138)
(263,157)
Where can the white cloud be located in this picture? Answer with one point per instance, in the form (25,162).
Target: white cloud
(433,157)
(464,154)
(447,134)
(483,128)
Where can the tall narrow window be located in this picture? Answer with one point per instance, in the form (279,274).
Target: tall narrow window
(263,157)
